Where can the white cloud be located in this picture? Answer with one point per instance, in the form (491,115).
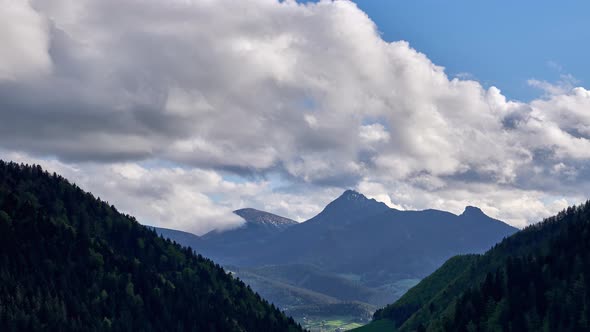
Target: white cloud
(563,86)
(25,41)
(308,91)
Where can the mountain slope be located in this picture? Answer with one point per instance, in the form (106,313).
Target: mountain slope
(71,262)
(536,280)
(415,298)
(309,277)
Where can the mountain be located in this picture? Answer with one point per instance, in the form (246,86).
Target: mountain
(71,262)
(356,250)
(352,233)
(536,280)
(224,246)
(264,219)
(357,235)
(347,208)
(259,226)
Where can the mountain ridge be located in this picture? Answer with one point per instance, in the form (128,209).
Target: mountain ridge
(372,252)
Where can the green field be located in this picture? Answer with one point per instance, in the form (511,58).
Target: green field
(316,324)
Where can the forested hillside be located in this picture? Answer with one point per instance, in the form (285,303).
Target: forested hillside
(72,262)
(536,280)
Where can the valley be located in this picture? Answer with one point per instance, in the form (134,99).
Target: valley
(354,257)
(540,270)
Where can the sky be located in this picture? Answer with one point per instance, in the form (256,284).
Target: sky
(179,112)
(500,43)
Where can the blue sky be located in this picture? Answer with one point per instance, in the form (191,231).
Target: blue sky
(501,43)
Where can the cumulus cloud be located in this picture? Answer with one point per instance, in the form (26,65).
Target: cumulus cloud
(250,88)
(563,86)
(25,42)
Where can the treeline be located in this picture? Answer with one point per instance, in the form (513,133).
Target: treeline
(72,262)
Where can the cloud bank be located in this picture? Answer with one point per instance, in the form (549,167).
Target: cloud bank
(180,111)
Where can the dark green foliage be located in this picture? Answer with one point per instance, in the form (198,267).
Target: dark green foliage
(536,280)
(415,298)
(71,262)
(377,326)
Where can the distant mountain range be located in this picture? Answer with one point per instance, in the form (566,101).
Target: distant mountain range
(368,249)
(350,235)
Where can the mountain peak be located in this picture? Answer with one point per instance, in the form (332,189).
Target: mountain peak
(472,211)
(349,206)
(258,217)
(352,195)
(354,199)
